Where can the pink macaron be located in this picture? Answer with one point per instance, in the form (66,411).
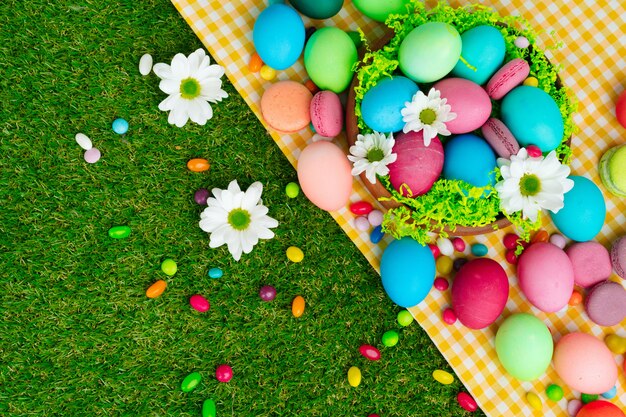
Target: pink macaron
(500,138)
(591,261)
(468,101)
(618,256)
(606,303)
(512,74)
(327,114)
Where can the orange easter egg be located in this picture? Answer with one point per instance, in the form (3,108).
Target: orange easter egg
(198,165)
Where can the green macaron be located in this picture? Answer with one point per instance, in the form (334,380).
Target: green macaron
(613,170)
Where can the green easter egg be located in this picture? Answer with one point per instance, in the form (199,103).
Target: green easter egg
(318,9)
(379,10)
(429,52)
(329,57)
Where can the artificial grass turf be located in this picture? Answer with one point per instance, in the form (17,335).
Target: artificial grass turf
(78,335)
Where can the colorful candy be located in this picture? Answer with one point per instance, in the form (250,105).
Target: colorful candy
(201,196)
(587,398)
(554,392)
(534,151)
(534,401)
(256,63)
(83,141)
(521,42)
(295,254)
(531,82)
(449,316)
(466,402)
(119,126)
(610,394)
(119,232)
(573,407)
(208,408)
(478,249)
(199,303)
(458,244)
(354,376)
(198,165)
(361,223)
(145,64)
(375,217)
(405,318)
(441,283)
(558,240)
(458,263)
(445,246)
(190,382)
(310,85)
(92,155)
(390,338)
(156,289)
(510,240)
(267,293)
(575,299)
(540,236)
(224,373)
(443,377)
(444,265)
(169,267)
(216,273)
(297,306)
(435,250)
(377,234)
(616,344)
(370,352)
(361,208)
(268,73)
(510,256)
(292,190)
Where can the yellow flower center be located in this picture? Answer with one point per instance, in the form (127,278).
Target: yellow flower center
(190,88)
(428,116)
(529,185)
(239,219)
(375,155)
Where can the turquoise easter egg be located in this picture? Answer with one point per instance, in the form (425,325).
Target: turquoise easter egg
(533,117)
(329,57)
(429,52)
(379,10)
(278,36)
(482,54)
(583,212)
(318,9)
(407,270)
(469,158)
(382,104)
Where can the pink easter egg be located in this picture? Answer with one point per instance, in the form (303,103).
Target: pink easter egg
(468,100)
(418,166)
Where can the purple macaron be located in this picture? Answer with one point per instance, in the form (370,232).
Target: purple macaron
(618,256)
(606,303)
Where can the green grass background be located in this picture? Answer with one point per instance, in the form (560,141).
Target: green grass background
(78,337)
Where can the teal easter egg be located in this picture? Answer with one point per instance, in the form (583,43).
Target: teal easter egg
(382,104)
(469,158)
(533,117)
(429,52)
(329,57)
(482,54)
(278,36)
(405,283)
(318,9)
(583,212)
(379,10)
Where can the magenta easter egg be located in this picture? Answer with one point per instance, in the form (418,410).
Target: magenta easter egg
(546,276)
(417,166)
(479,292)
(324,174)
(468,100)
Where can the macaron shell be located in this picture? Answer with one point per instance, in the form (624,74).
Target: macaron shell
(500,138)
(327,114)
(591,261)
(512,74)
(285,106)
(618,256)
(606,303)
(613,170)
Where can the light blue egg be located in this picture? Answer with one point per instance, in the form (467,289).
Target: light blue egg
(278,36)
(469,158)
(533,117)
(482,54)
(407,270)
(382,104)
(583,212)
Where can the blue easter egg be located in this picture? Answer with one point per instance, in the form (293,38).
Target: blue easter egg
(533,117)
(382,104)
(583,212)
(469,158)
(407,270)
(482,54)
(278,36)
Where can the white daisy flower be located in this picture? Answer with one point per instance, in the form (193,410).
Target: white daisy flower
(428,113)
(372,153)
(191,83)
(532,184)
(237,219)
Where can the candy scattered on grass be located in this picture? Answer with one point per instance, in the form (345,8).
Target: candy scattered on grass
(534,401)
(145,64)
(292,190)
(208,408)
(119,232)
(190,382)
(521,42)
(169,267)
(354,376)
(224,373)
(390,338)
(92,155)
(199,303)
(466,401)
(267,293)
(119,126)
(83,141)
(155,290)
(554,392)
(216,273)
(295,254)
(405,318)
(198,165)
(297,306)
(443,377)
(531,82)
(200,196)
(370,352)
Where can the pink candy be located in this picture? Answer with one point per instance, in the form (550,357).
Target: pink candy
(449,316)
(558,240)
(361,208)
(534,151)
(224,373)
(441,284)
(375,218)
(199,303)
(573,407)
(361,223)
(466,402)
(458,244)
(370,352)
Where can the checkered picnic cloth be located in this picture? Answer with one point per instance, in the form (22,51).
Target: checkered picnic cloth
(594,68)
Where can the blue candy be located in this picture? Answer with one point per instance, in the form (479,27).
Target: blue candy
(610,394)
(120,126)
(478,249)
(215,273)
(376,234)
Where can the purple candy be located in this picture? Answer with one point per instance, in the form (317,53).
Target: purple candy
(267,293)
(201,196)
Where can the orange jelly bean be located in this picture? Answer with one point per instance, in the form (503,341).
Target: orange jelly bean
(255,63)
(297,306)
(156,289)
(198,165)
(540,236)
(575,299)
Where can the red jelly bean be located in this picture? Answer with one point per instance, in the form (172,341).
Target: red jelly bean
(459,244)
(370,352)
(361,208)
(441,283)
(510,240)
(511,257)
(466,401)
(435,250)
(534,151)
(449,316)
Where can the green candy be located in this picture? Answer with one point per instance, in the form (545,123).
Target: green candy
(191,381)
(208,408)
(405,318)
(169,267)
(554,392)
(390,338)
(329,56)
(292,190)
(119,232)
(587,398)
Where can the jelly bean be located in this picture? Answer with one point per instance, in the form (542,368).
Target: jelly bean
(443,377)
(445,246)
(375,217)
(610,394)
(616,344)
(554,392)
(376,235)
(558,240)
(511,240)
(119,126)
(216,273)
(573,407)
(361,208)
(295,254)
(405,318)
(449,316)
(145,64)
(92,155)
(83,141)
(297,306)
(534,401)
(390,338)
(534,151)
(587,398)
(310,85)
(198,165)
(531,82)
(510,256)
(354,376)
(201,196)
(268,73)
(256,63)
(356,38)
(458,244)
(199,303)
(119,232)
(361,223)
(267,293)
(466,402)
(224,373)
(522,42)
(540,236)
(478,249)
(370,352)
(156,289)
(373,415)
(169,267)
(444,265)
(292,190)
(458,263)
(208,408)
(190,382)
(435,250)
(575,299)
(441,283)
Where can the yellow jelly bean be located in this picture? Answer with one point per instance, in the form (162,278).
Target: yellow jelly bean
(616,344)
(444,265)
(295,254)
(443,377)
(531,82)
(268,73)
(156,289)
(534,401)
(354,376)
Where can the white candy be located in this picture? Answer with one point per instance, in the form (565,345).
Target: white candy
(83,141)
(445,246)
(361,223)
(145,64)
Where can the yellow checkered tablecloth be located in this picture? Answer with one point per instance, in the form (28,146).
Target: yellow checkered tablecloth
(594,62)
